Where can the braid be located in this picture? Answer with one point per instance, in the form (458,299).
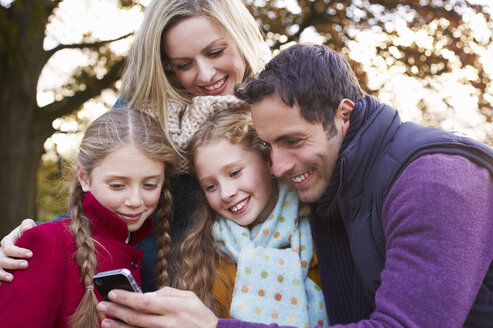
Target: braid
(163,229)
(197,269)
(106,134)
(86,314)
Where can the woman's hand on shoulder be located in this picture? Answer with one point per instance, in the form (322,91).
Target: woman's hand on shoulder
(167,307)
(11,256)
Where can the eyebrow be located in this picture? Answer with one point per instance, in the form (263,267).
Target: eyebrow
(224,168)
(288,136)
(204,180)
(123,177)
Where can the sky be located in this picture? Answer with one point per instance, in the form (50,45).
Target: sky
(106,21)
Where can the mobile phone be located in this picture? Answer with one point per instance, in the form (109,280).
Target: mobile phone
(115,279)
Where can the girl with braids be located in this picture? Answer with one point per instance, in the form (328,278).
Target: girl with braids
(121,179)
(183,49)
(249,254)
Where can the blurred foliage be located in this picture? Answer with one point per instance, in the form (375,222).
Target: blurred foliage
(57,173)
(54,182)
(449,42)
(24,124)
(446,43)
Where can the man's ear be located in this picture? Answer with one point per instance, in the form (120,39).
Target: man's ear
(345,108)
(83,177)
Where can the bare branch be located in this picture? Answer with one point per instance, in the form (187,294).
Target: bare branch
(83,45)
(50,5)
(44,116)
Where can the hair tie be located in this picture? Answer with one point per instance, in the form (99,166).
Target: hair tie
(90,287)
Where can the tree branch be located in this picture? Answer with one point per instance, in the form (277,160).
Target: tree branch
(83,45)
(44,116)
(50,5)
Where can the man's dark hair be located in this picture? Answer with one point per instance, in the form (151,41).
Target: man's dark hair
(314,76)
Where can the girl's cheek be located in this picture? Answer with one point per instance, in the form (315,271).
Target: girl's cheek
(212,202)
(154,199)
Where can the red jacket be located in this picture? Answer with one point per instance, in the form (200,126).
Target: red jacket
(49,291)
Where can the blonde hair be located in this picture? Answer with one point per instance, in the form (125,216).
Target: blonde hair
(148,85)
(198,251)
(109,132)
(183,124)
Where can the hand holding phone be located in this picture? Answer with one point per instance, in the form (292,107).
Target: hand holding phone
(115,279)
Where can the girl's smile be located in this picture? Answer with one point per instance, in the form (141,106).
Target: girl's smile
(237,183)
(240,207)
(130,217)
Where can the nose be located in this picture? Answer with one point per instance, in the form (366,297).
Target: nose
(206,70)
(228,191)
(134,198)
(281,162)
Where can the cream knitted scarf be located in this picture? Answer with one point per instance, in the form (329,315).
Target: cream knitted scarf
(185,120)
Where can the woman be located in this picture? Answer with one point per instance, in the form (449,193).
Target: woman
(190,48)
(183,49)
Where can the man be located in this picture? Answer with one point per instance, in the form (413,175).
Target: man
(403,214)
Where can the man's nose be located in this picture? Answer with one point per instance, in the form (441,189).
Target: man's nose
(281,162)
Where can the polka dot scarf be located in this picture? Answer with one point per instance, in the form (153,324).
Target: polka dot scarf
(273,260)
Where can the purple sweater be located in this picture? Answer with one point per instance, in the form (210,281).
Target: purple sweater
(438,224)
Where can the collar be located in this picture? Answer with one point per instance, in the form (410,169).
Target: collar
(107,223)
(363,112)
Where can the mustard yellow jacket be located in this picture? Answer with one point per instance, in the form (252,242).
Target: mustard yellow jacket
(225,280)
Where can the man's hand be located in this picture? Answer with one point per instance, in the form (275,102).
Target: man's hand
(167,307)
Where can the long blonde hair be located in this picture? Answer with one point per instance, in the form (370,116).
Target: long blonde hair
(109,132)
(198,251)
(147,85)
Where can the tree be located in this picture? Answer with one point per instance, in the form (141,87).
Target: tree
(452,44)
(24,126)
(447,41)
